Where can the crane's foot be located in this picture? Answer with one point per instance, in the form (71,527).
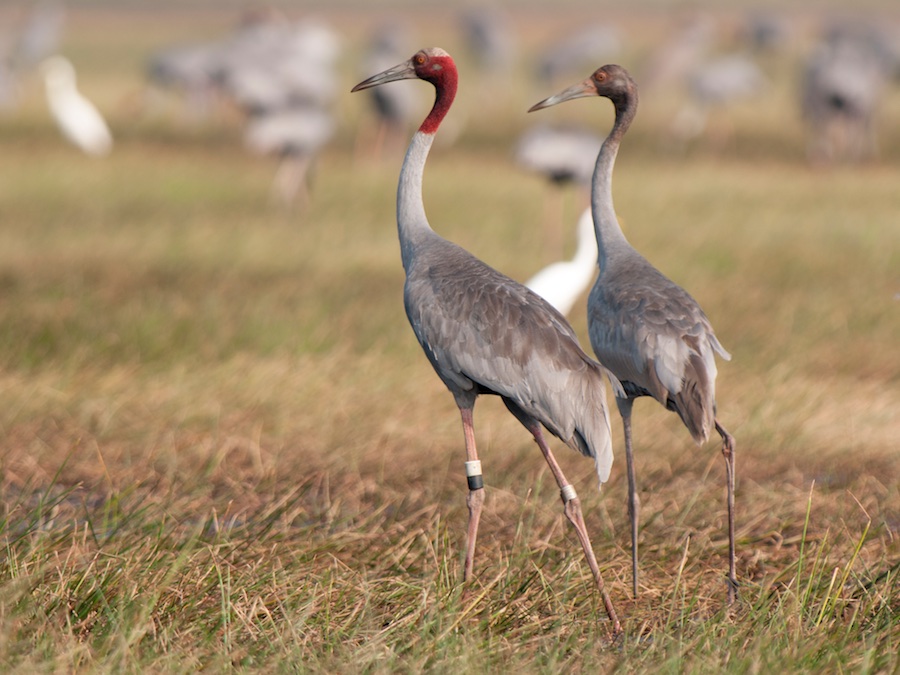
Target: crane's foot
(733,586)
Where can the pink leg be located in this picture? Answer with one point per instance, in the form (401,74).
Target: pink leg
(475,498)
(573,513)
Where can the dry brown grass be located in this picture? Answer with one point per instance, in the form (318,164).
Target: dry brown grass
(222,447)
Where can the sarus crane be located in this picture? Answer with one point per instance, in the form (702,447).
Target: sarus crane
(645,328)
(487,334)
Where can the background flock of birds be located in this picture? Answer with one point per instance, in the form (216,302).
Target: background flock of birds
(283,76)
(483,332)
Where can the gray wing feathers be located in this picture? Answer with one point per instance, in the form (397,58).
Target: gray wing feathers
(483,333)
(651,332)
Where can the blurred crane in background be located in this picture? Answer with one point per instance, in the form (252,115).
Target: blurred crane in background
(281,76)
(565,156)
(843,85)
(562,154)
(578,49)
(489,39)
(295,135)
(36,38)
(187,70)
(715,83)
(394,107)
(673,58)
(40,35)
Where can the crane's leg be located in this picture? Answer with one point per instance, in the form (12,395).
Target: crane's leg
(728,448)
(475,498)
(634,501)
(573,513)
(290,180)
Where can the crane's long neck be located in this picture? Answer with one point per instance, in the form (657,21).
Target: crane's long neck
(411,220)
(610,238)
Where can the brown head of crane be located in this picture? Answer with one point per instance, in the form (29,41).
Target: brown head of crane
(645,328)
(487,334)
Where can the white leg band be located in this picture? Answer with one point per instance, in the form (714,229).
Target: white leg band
(473,475)
(568,493)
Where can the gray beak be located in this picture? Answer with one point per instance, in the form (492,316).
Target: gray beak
(579,90)
(403,71)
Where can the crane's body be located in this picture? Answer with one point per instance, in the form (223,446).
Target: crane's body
(645,328)
(562,154)
(487,334)
(296,135)
(513,345)
(77,118)
(656,339)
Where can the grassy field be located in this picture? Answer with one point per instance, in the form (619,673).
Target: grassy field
(221,447)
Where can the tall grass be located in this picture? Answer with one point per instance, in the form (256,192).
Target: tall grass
(222,448)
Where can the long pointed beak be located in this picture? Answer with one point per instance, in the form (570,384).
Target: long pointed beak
(402,71)
(579,90)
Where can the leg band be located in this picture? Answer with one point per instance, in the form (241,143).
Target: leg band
(568,493)
(473,475)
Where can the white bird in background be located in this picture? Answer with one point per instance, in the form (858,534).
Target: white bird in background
(77,118)
(562,283)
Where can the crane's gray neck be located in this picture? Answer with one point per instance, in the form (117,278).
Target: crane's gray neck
(411,220)
(610,239)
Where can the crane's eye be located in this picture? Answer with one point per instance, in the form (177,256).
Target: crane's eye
(420,59)
(600,76)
